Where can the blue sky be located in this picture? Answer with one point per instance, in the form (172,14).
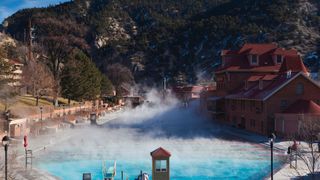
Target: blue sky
(8,7)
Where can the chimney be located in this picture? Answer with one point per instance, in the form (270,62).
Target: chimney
(289,74)
(260,84)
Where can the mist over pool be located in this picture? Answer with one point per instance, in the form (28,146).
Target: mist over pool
(200,148)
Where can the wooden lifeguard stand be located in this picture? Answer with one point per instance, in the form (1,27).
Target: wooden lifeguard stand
(160,164)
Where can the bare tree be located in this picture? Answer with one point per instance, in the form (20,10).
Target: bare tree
(38,78)
(309,154)
(5,68)
(119,75)
(58,48)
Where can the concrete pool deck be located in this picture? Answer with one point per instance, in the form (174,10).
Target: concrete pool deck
(283,173)
(38,145)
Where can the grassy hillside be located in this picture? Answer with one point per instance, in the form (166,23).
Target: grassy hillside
(21,106)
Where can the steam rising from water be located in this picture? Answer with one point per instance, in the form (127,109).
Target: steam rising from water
(161,122)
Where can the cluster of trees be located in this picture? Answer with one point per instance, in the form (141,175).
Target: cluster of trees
(82,80)
(62,70)
(172,36)
(6,92)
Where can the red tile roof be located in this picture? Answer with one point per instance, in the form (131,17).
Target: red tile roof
(254,78)
(238,60)
(160,152)
(303,107)
(293,63)
(269,87)
(257,48)
(227,52)
(269,77)
(282,51)
(183,89)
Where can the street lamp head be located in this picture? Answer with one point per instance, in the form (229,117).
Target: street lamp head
(41,108)
(5,140)
(7,114)
(272,136)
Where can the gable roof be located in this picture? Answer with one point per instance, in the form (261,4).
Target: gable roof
(293,63)
(160,152)
(282,51)
(269,87)
(237,60)
(257,48)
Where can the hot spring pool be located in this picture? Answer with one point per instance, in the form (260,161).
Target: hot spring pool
(224,168)
(200,149)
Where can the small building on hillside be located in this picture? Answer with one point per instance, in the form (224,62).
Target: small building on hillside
(289,122)
(18,127)
(16,72)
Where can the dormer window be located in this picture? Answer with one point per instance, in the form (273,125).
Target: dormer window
(279,59)
(254,59)
(223,63)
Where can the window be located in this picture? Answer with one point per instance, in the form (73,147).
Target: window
(223,62)
(252,105)
(233,105)
(234,120)
(279,59)
(283,104)
(252,123)
(161,165)
(243,105)
(228,76)
(254,59)
(299,89)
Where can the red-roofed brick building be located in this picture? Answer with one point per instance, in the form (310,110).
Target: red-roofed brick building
(188,92)
(256,82)
(288,122)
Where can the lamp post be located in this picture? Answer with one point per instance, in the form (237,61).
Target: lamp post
(41,116)
(64,112)
(272,137)
(5,143)
(8,121)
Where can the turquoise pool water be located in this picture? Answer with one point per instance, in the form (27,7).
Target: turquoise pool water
(200,149)
(250,166)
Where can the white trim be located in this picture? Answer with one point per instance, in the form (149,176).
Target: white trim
(251,62)
(284,84)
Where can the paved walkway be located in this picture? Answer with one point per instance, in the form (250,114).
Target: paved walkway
(36,144)
(285,172)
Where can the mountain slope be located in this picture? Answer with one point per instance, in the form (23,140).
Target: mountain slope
(174,38)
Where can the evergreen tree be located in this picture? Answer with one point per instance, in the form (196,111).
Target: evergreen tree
(106,86)
(81,80)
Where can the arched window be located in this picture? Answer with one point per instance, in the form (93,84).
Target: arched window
(299,88)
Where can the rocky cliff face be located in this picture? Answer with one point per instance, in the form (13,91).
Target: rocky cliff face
(175,38)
